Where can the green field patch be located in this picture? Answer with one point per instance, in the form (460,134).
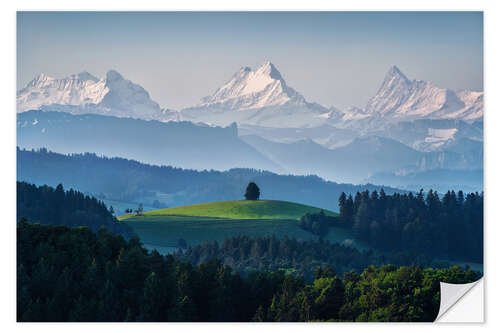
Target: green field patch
(162,232)
(241,209)
(167,230)
(211,221)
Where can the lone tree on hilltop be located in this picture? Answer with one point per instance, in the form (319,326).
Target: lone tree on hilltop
(252,192)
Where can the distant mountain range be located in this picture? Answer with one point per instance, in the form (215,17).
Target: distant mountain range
(179,144)
(363,157)
(409,126)
(196,146)
(253,97)
(261,98)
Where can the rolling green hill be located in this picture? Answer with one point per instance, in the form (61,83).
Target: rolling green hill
(239,209)
(161,229)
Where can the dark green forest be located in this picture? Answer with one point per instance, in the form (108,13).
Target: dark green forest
(48,205)
(318,223)
(449,227)
(300,258)
(87,266)
(74,274)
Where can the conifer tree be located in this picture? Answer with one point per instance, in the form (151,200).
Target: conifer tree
(252,192)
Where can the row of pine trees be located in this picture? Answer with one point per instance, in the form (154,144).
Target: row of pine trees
(48,205)
(449,227)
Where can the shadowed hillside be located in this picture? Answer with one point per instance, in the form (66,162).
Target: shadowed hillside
(133,182)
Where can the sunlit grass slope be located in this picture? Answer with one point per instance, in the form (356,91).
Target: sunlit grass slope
(239,209)
(211,221)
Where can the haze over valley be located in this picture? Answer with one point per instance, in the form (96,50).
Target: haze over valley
(255,120)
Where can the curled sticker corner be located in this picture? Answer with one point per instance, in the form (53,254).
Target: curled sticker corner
(451,295)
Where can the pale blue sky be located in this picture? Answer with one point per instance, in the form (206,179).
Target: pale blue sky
(333,58)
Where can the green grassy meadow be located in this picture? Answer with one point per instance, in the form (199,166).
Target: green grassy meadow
(218,220)
(166,230)
(241,209)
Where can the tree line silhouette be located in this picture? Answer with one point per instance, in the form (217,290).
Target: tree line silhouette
(449,227)
(48,205)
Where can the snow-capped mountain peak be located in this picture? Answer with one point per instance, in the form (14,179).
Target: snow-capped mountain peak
(394,80)
(268,69)
(257,97)
(400,98)
(395,72)
(43,80)
(40,80)
(85,93)
(76,89)
(253,89)
(129,97)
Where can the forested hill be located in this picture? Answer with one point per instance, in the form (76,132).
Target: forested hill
(299,258)
(451,227)
(73,274)
(133,182)
(47,205)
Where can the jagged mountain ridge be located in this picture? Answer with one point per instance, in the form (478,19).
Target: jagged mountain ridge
(76,89)
(400,97)
(85,93)
(249,89)
(261,99)
(256,97)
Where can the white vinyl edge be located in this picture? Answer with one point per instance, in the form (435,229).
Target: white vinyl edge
(461,303)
